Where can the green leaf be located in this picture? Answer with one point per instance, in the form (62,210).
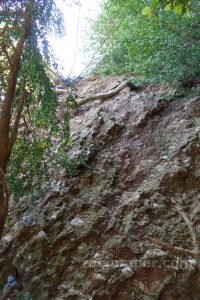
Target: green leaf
(147,11)
(178,9)
(168,7)
(186,11)
(155,4)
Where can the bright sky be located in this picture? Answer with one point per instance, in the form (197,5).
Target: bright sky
(69,50)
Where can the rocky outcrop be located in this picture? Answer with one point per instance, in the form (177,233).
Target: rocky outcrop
(85,238)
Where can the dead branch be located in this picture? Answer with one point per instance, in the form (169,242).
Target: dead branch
(60,91)
(191,228)
(177,250)
(174,250)
(107,95)
(103,96)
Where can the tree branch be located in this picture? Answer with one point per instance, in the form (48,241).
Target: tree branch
(177,250)
(109,94)
(17,118)
(104,95)
(174,250)
(191,228)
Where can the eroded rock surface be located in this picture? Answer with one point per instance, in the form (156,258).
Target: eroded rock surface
(84,239)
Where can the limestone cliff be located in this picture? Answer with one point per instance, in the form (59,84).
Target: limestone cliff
(85,239)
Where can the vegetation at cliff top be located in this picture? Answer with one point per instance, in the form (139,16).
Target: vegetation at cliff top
(155,41)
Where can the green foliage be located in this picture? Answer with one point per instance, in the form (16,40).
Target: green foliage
(27,168)
(165,47)
(22,295)
(71,165)
(43,134)
(177,6)
(71,101)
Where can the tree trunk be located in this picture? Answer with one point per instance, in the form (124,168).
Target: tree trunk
(3,200)
(5,116)
(5,119)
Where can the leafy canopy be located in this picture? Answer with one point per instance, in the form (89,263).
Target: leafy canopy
(178,6)
(164,47)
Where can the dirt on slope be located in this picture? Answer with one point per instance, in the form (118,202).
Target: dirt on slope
(85,239)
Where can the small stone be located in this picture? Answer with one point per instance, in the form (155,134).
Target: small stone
(7,239)
(142,223)
(193,262)
(63,287)
(151,253)
(127,272)
(27,221)
(77,222)
(164,157)
(5,242)
(123,265)
(36,280)
(73,292)
(54,216)
(42,236)
(156,205)
(99,278)
(97,254)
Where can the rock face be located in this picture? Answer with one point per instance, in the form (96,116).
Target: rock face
(85,239)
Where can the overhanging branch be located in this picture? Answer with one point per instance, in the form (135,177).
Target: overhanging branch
(102,96)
